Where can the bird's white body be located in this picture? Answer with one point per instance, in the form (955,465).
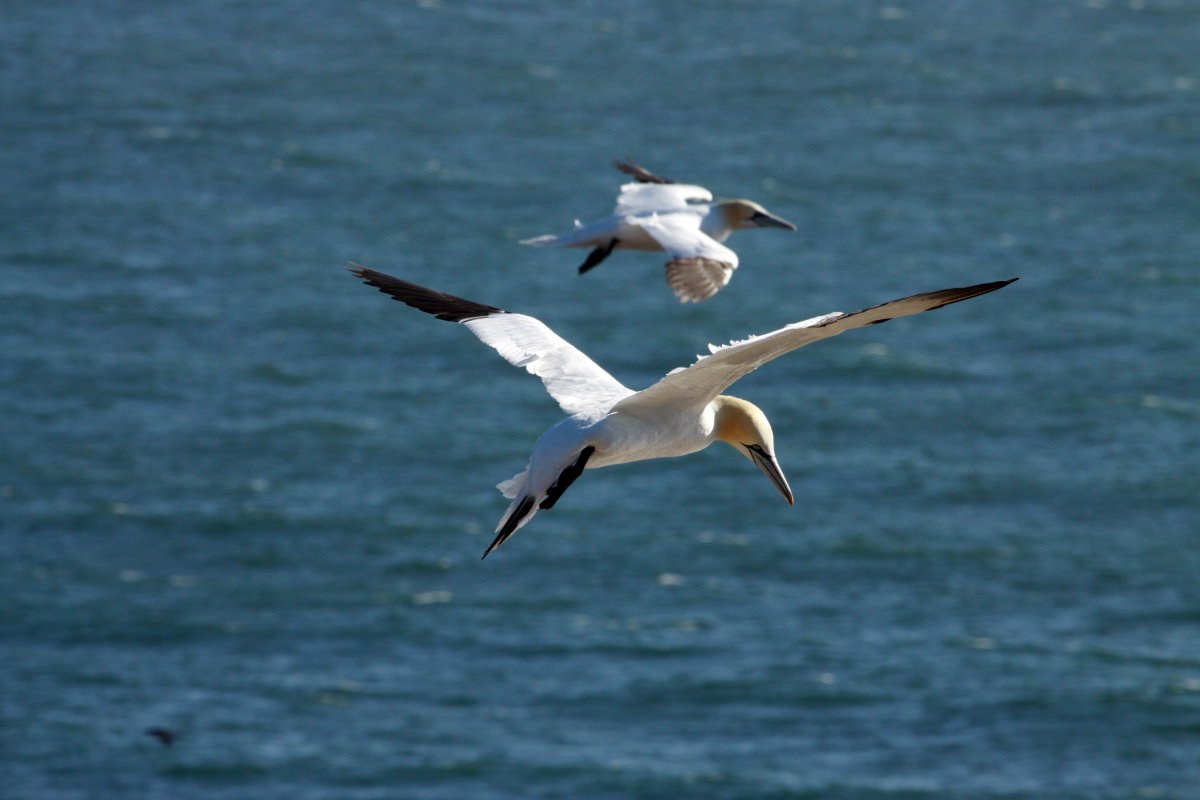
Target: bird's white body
(640,434)
(618,437)
(608,423)
(645,229)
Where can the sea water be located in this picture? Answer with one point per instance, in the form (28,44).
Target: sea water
(243,496)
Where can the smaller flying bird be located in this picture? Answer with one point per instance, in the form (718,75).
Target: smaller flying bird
(655,213)
(608,423)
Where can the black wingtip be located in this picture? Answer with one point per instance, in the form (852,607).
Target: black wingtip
(926,301)
(597,255)
(639,173)
(431,301)
(949,296)
(509,527)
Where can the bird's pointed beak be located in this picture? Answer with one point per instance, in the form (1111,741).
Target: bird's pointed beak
(764,220)
(770,467)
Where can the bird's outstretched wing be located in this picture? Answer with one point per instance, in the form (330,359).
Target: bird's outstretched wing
(698,384)
(696,279)
(578,384)
(700,266)
(639,173)
(659,198)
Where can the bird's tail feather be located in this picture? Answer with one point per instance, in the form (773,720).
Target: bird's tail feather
(513,486)
(524,507)
(541,241)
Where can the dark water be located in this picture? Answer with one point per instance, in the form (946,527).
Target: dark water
(244,496)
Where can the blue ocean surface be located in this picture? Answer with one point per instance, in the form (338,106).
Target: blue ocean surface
(243,496)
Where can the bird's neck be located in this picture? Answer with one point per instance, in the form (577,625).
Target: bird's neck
(731,419)
(715,223)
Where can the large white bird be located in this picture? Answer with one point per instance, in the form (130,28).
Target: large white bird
(656,213)
(608,423)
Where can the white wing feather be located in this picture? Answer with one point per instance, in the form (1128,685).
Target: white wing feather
(680,235)
(695,386)
(646,198)
(579,384)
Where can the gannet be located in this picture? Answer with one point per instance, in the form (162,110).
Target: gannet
(608,423)
(656,213)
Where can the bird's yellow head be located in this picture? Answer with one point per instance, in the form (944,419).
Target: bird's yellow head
(742,425)
(740,214)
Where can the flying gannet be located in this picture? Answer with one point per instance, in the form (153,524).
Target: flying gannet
(608,423)
(656,213)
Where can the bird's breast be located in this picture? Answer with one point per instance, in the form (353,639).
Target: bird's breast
(715,226)
(626,438)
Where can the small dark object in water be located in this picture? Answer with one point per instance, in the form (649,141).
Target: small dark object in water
(164,735)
